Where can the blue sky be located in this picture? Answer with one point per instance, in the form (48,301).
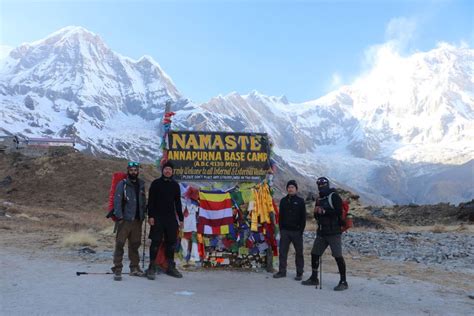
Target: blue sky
(301,49)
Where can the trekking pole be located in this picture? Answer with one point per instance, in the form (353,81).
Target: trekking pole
(94,273)
(144,244)
(320,271)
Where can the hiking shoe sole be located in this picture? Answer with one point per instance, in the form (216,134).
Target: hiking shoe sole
(149,276)
(174,275)
(279,275)
(310,283)
(341,287)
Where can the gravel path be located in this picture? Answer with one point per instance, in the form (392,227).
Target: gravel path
(36,284)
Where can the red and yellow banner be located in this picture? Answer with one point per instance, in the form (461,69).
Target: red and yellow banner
(215,213)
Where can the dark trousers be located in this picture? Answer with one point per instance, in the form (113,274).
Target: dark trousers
(131,231)
(168,232)
(286,238)
(319,246)
(322,242)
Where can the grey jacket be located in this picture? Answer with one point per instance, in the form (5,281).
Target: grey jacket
(125,203)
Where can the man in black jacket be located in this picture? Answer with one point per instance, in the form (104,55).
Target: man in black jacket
(328,212)
(292,221)
(164,204)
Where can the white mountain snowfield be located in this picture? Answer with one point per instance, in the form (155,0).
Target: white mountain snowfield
(402,132)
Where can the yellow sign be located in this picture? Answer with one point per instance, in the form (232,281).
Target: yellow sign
(219,156)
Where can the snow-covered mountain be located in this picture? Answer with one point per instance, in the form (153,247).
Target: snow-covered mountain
(402,132)
(71,83)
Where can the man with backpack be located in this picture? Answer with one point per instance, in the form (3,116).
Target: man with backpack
(163,208)
(328,213)
(292,221)
(129,213)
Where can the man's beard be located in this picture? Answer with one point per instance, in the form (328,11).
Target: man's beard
(133,177)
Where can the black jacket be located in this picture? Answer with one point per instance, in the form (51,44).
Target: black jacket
(292,213)
(164,200)
(329,223)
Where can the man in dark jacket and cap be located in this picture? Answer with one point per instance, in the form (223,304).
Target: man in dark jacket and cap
(164,208)
(292,221)
(328,213)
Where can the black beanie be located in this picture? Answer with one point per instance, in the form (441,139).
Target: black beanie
(167,164)
(292,182)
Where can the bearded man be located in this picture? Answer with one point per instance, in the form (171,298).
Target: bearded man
(129,209)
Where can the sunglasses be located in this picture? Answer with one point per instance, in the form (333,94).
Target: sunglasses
(133,164)
(322,182)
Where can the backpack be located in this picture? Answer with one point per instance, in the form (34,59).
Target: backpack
(116,178)
(346,217)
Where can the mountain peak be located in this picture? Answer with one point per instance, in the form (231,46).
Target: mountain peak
(71,42)
(283,99)
(147,59)
(72,29)
(73,63)
(68,34)
(255,93)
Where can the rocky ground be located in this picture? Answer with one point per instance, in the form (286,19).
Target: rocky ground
(449,251)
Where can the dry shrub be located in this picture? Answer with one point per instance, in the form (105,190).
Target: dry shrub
(461,228)
(82,238)
(108,231)
(438,229)
(368,222)
(28,217)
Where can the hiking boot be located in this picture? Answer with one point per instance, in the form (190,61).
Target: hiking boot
(341,286)
(312,280)
(299,277)
(150,272)
(137,272)
(172,271)
(118,276)
(279,274)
